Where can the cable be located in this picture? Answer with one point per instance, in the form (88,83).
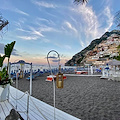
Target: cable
(19,97)
(38,109)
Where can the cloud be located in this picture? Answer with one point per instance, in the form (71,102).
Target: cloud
(48,29)
(28,37)
(110,17)
(82,44)
(21,12)
(69,26)
(2,48)
(40,21)
(22,20)
(33,33)
(42,28)
(67,47)
(46,40)
(36,31)
(89,24)
(89,20)
(55,60)
(43,19)
(14,52)
(53,57)
(43,4)
(22,30)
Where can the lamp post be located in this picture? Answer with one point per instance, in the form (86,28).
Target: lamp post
(52,75)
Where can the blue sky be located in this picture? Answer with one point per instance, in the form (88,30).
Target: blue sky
(39,26)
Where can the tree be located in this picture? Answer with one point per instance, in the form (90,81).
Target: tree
(4,77)
(8,50)
(3,22)
(80,1)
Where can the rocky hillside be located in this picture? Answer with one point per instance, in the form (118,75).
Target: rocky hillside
(77,58)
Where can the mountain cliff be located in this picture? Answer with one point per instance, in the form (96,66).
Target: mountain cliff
(77,58)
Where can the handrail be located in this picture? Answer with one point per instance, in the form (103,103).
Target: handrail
(27,111)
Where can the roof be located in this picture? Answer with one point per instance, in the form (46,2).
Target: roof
(21,62)
(114,62)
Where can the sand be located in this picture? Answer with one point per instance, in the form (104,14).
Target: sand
(87,98)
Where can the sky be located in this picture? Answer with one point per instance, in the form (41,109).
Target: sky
(39,26)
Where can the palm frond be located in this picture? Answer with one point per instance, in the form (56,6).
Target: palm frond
(80,1)
(1,60)
(8,49)
(3,22)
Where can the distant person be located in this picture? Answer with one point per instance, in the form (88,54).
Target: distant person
(41,69)
(19,71)
(107,67)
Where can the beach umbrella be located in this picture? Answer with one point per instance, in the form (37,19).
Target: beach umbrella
(114,62)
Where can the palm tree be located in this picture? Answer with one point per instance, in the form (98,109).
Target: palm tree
(8,50)
(80,1)
(1,60)
(3,22)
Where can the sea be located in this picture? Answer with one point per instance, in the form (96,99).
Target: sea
(27,67)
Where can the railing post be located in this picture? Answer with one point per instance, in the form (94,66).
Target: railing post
(31,80)
(8,92)
(9,69)
(28,106)
(16,87)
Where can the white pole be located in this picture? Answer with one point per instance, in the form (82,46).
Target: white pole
(88,69)
(31,80)
(53,78)
(16,85)
(9,69)
(27,106)
(23,70)
(91,68)
(103,72)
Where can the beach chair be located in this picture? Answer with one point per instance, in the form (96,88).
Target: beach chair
(28,78)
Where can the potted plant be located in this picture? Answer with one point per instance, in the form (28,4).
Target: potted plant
(5,81)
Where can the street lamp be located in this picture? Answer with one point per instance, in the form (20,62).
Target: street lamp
(59,77)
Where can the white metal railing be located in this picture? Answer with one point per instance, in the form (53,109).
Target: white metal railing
(28,101)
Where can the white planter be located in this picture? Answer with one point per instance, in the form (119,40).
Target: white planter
(4,92)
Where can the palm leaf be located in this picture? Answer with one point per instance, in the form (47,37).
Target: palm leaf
(80,1)
(8,49)
(1,60)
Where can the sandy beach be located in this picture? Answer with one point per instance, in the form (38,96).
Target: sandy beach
(87,98)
